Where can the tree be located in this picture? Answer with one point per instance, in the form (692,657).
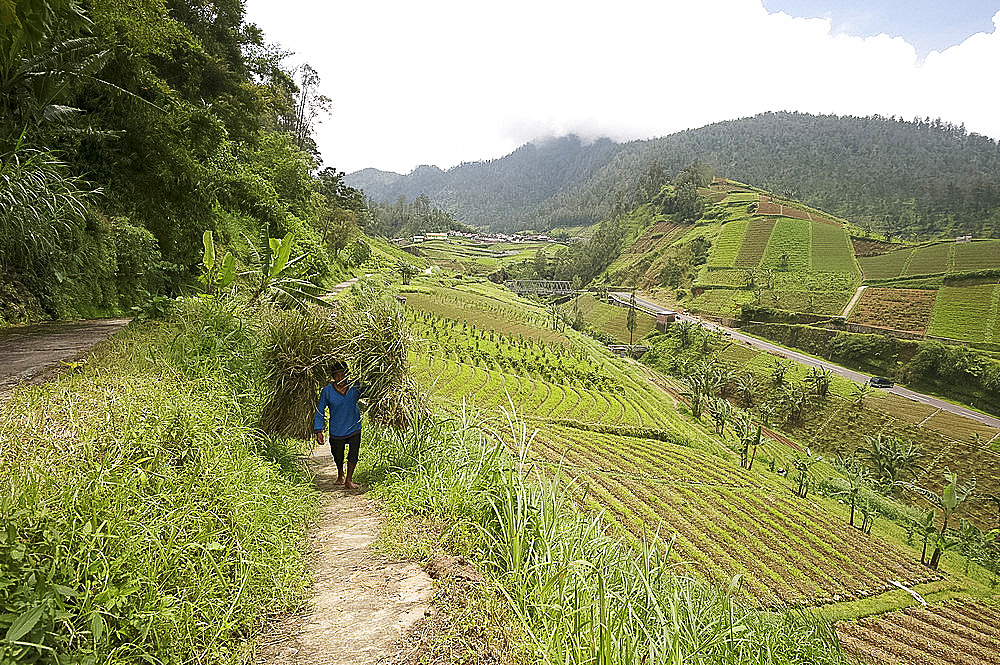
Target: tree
(891,460)
(406,270)
(948,501)
(802,465)
(778,371)
(279,278)
(748,433)
(721,411)
(858,393)
(748,386)
(309,106)
(819,379)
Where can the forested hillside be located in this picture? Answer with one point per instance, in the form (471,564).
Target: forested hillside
(128,130)
(922,177)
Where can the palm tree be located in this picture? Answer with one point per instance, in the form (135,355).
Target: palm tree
(947,501)
(796,401)
(747,385)
(697,392)
(748,432)
(819,379)
(858,394)
(802,464)
(778,371)
(722,412)
(890,459)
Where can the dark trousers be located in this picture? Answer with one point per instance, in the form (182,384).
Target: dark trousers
(353,443)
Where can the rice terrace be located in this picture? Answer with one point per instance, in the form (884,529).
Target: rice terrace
(729,395)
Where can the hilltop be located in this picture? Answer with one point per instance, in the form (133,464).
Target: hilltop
(901,177)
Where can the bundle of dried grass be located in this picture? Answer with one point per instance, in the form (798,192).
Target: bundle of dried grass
(369,332)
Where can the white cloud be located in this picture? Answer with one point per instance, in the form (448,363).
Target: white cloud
(445,81)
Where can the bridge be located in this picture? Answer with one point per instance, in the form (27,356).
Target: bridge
(540,287)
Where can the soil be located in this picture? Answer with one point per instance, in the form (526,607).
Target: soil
(362,605)
(33,354)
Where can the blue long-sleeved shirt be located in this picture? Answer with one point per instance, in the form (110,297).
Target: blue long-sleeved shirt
(345,416)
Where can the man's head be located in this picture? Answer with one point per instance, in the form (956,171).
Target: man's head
(338,371)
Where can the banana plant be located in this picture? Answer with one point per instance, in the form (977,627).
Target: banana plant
(948,502)
(277,277)
(217,275)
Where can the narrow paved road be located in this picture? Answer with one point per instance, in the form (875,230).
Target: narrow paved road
(31,353)
(806,359)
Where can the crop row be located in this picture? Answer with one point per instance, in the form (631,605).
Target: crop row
(727,246)
(929,259)
(488,389)
(788,247)
(831,249)
(966,632)
(976,256)
(501,319)
(727,524)
(899,309)
(611,319)
(884,266)
(755,242)
(963,312)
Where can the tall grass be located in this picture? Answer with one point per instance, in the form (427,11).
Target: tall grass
(582,596)
(145,517)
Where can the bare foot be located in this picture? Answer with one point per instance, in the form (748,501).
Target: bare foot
(339,480)
(348,485)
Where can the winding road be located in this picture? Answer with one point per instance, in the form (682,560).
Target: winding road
(858,377)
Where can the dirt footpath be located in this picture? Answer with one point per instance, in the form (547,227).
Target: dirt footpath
(362,604)
(33,353)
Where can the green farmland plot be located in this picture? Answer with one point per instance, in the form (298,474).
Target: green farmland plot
(789,246)
(964,312)
(726,520)
(885,266)
(971,256)
(929,259)
(755,243)
(728,244)
(831,249)
(610,319)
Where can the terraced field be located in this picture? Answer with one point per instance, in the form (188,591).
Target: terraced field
(929,259)
(885,266)
(728,244)
(965,312)
(790,238)
(728,521)
(627,404)
(611,319)
(972,256)
(956,632)
(755,242)
(831,249)
(899,309)
(488,313)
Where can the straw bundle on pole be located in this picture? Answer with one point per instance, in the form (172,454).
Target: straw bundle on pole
(368,332)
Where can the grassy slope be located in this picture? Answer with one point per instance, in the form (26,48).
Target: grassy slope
(551,401)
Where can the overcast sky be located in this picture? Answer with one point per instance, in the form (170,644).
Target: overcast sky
(445,81)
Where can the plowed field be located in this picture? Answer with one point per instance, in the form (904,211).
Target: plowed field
(899,309)
(967,633)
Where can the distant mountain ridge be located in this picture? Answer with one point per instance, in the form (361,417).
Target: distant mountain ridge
(919,177)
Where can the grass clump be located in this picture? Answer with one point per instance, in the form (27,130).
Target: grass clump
(145,516)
